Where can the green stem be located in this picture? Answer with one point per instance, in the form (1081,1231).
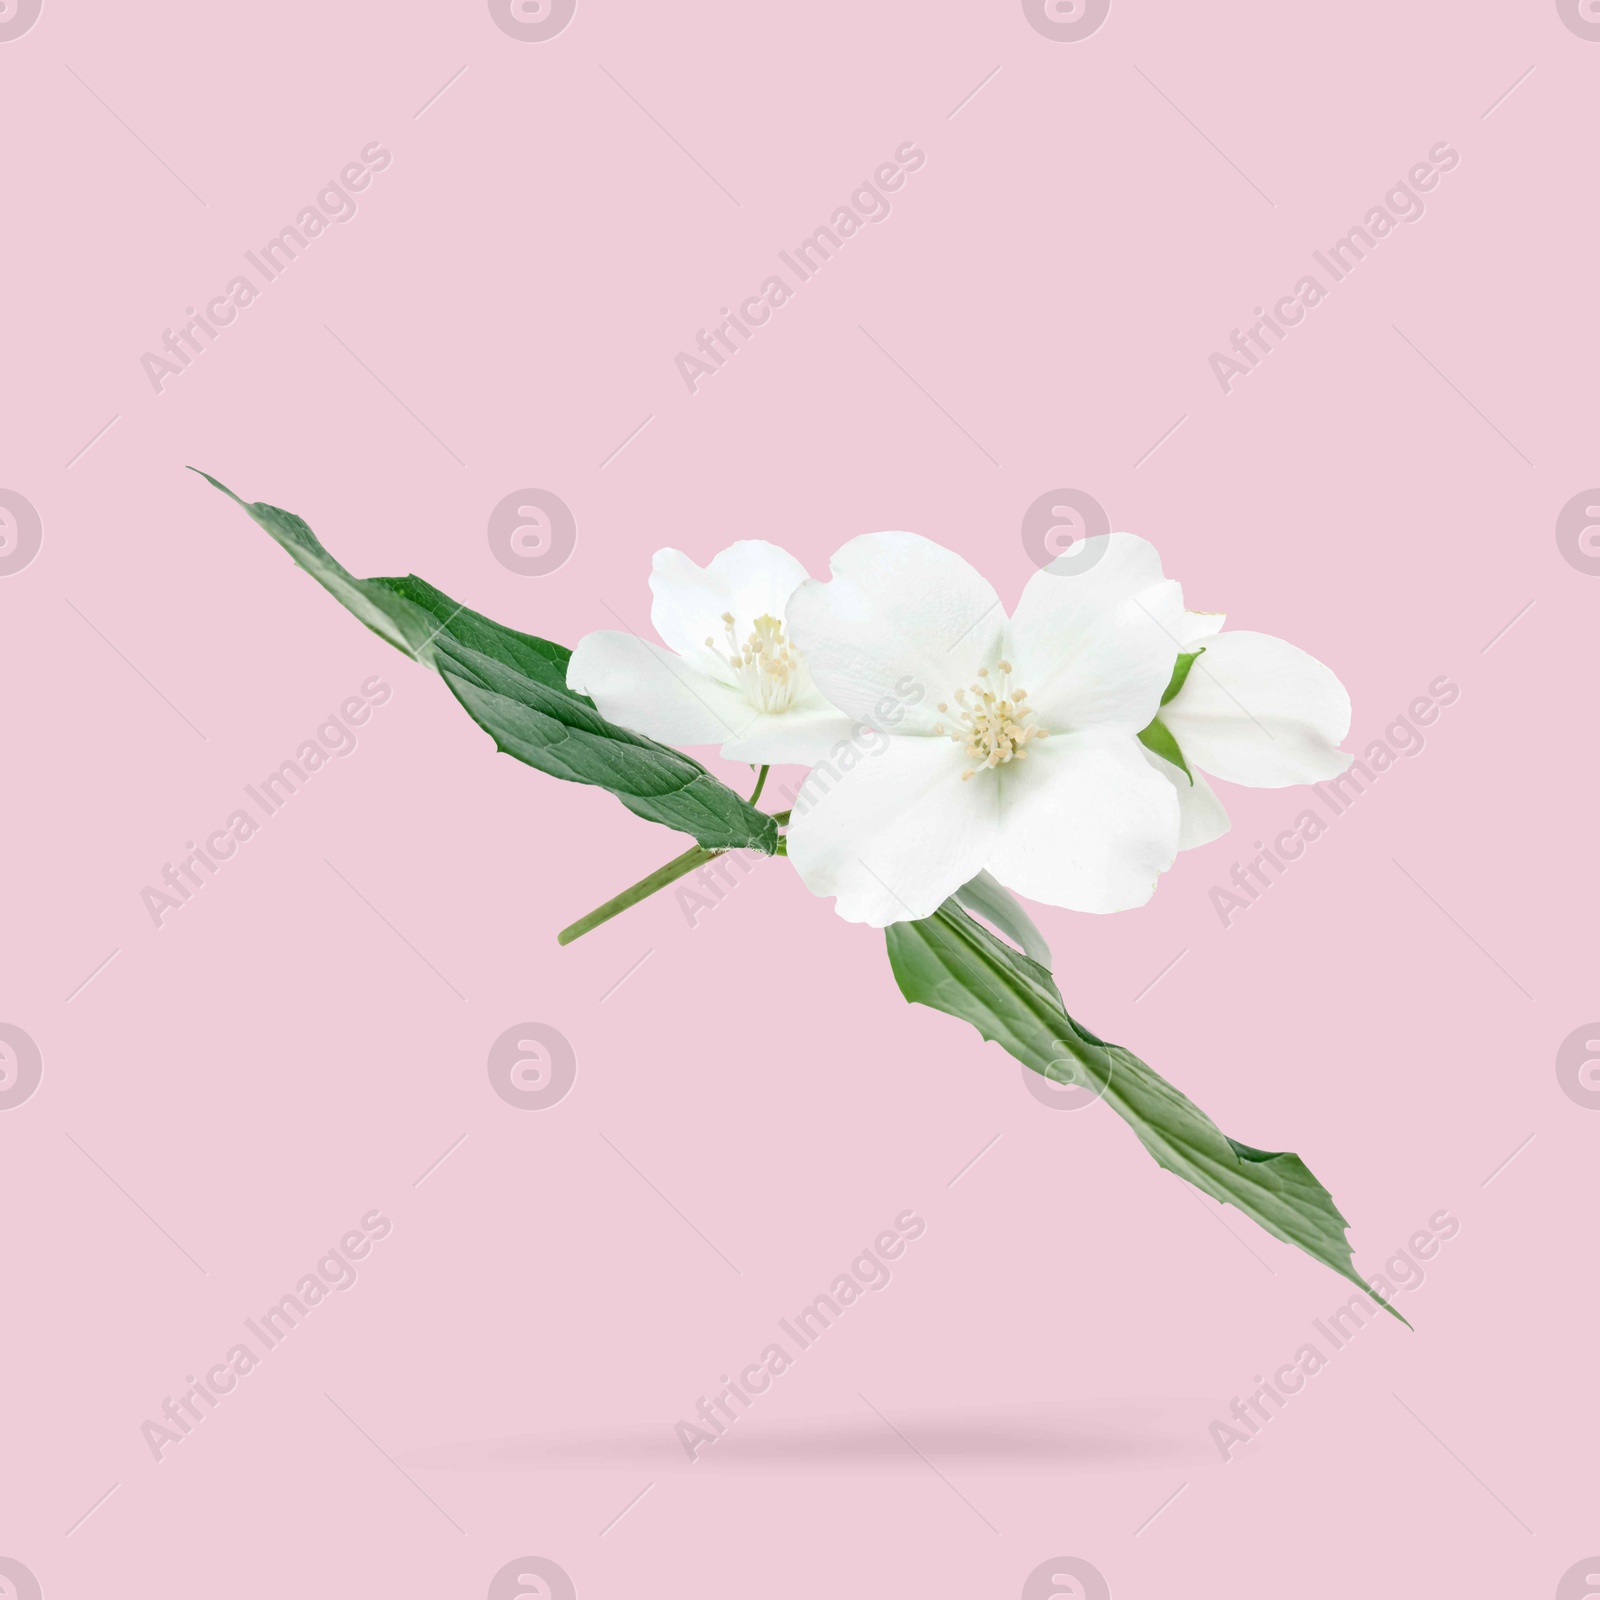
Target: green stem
(678,867)
(761,783)
(642,890)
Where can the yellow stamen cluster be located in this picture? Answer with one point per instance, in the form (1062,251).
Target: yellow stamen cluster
(994,727)
(767,667)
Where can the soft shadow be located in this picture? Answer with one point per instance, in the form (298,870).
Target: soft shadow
(1113,1435)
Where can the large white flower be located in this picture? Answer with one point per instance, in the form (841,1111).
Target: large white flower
(1012,743)
(1252,710)
(730,675)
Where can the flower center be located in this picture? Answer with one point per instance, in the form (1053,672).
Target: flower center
(767,668)
(993,724)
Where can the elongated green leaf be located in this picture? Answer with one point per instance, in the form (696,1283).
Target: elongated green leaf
(514,686)
(949,962)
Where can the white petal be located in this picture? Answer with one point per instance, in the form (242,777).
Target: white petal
(903,624)
(1199,625)
(1095,648)
(809,731)
(749,579)
(1085,822)
(1201,815)
(1109,567)
(897,835)
(1258,711)
(652,691)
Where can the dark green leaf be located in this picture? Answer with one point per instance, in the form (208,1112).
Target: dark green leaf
(949,962)
(514,686)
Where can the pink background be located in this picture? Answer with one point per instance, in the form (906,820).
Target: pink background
(233,1091)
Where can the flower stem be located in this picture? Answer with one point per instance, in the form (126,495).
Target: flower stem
(642,890)
(661,877)
(761,783)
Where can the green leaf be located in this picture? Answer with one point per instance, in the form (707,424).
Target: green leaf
(985,896)
(1158,737)
(514,686)
(1180,674)
(949,962)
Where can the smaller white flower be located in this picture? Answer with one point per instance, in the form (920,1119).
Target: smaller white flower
(1253,710)
(730,675)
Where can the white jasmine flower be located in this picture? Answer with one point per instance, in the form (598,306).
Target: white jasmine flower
(1017,751)
(730,675)
(1252,710)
